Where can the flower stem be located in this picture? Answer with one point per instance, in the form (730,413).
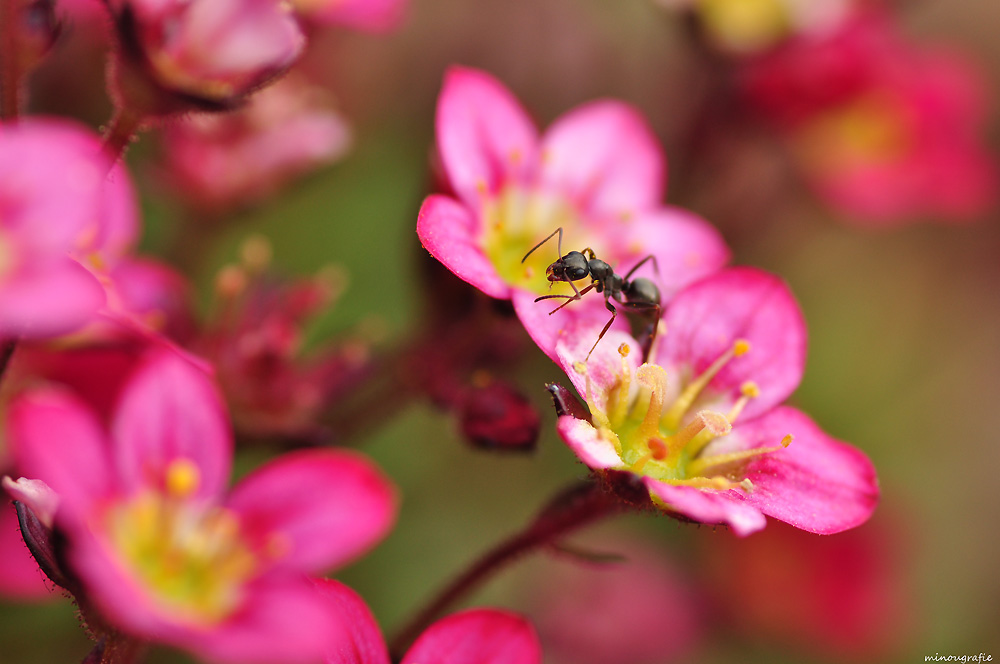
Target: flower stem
(577,506)
(119,133)
(10,76)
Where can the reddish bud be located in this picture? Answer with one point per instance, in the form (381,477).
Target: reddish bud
(496,416)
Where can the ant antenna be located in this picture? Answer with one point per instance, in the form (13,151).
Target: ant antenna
(559,249)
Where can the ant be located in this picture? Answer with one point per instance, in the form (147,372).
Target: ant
(638,294)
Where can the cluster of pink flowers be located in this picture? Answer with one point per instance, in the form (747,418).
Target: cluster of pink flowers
(121,409)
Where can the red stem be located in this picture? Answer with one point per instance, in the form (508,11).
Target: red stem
(119,133)
(573,508)
(10,76)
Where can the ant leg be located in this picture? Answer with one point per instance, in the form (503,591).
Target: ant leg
(589,253)
(569,298)
(651,257)
(614,314)
(558,230)
(649,334)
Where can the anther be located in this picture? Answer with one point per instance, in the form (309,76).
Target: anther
(182,478)
(749,390)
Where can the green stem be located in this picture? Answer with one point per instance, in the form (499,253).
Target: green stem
(579,505)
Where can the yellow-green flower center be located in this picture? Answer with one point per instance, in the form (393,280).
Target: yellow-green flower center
(658,438)
(191,557)
(869,132)
(516,220)
(745,25)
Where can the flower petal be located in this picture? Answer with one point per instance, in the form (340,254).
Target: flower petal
(587,443)
(20,578)
(818,483)
(328,505)
(485,137)
(576,326)
(171,411)
(282,621)
(724,507)
(705,320)
(450,232)
(376,16)
(48,299)
(686,248)
(55,438)
(605,368)
(605,158)
(477,636)
(365,644)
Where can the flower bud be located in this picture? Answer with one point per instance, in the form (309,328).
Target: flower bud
(496,416)
(182,55)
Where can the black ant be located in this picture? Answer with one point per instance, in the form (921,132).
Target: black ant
(638,294)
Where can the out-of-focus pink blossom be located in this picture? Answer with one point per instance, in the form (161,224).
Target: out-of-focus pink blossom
(53,207)
(598,173)
(845,596)
(176,55)
(255,342)
(163,552)
(701,424)
(368,15)
(226,160)
(475,636)
(884,130)
(639,609)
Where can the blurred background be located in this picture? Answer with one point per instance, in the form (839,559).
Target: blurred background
(904,362)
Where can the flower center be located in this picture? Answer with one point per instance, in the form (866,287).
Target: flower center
(870,132)
(657,438)
(517,219)
(191,556)
(745,25)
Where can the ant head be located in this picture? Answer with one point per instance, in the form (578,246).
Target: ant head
(571,267)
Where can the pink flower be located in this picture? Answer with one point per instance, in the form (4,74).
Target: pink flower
(883,129)
(846,596)
(475,636)
(255,342)
(368,15)
(163,552)
(179,54)
(20,578)
(53,208)
(598,173)
(639,609)
(701,424)
(232,159)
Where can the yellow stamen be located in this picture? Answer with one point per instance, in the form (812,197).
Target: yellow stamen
(673,417)
(749,390)
(653,377)
(714,483)
(698,466)
(182,478)
(706,423)
(618,408)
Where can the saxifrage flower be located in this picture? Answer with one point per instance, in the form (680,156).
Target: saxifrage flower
(163,552)
(701,424)
(598,173)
